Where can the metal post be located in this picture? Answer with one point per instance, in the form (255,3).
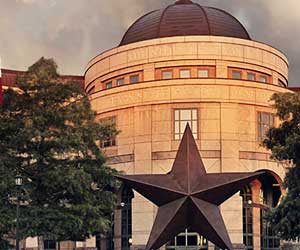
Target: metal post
(58,245)
(17,222)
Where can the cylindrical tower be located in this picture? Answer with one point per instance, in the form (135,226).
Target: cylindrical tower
(188,63)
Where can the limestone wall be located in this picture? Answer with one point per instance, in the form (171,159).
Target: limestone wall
(227,111)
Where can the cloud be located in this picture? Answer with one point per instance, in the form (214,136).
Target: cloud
(74,31)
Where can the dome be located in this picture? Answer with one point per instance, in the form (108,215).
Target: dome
(184,18)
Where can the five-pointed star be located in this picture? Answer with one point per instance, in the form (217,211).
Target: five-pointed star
(188,197)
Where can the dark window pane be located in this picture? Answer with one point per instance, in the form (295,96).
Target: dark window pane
(134,79)
(236,74)
(192,240)
(181,240)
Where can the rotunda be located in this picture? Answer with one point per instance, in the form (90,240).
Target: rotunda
(190,64)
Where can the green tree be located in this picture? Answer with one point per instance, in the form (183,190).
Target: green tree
(284,142)
(49,135)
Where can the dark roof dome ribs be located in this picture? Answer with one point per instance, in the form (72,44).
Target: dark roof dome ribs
(184,18)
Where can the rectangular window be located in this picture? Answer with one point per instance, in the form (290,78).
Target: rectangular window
(203,73)
(250,76)
(185,73)
(120,81)
(236,74)
(49,244)
(263,78)
(181,118)
(109,142)
(281,83)
(167,74)
(265,122)
(134,79)
(109,85)
(91,90)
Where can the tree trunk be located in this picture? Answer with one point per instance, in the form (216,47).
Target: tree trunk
(40,243)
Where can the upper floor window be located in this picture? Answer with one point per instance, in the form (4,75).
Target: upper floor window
(91,90)
(236,74)
(281,83)
(109,142)
(250,76)
(134,78)
(109,85)
(265,122)
(263,78)
(181,118)
(120,81)
(203,73)
(185,73)
(166,74)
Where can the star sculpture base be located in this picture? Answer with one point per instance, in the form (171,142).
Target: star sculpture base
(188,197)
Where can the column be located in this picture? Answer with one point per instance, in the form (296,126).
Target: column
(255,188)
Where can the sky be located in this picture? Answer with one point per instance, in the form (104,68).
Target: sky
(74,31)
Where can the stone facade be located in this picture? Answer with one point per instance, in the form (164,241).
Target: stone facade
(227,112)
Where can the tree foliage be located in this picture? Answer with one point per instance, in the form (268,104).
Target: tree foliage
(284,142)
(49,135)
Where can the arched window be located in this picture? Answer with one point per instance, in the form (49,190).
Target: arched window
(126,223)
(247,217)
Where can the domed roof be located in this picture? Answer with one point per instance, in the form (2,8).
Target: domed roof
(184,18)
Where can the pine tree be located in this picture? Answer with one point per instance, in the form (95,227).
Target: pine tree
(284,142)
(49,136)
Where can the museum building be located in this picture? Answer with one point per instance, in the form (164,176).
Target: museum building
(187,63)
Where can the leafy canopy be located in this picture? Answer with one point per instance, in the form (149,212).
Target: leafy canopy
(49,135)
(284,142)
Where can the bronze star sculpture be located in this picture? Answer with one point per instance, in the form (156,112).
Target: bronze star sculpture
(188,197)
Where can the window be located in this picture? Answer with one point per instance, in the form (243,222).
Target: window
(236,74)
(181,118)
(167,74)
(281,83)
(108,142)
(203,73)
(263,78)
(109,85)
(120,81)
(265,122)
(247,217)
(91,90)
(49,245)
(268,238)
(134,79)
(185,73)
(126,227)
(187,240)
(250,76)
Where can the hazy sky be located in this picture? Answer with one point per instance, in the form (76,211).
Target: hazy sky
(74,31)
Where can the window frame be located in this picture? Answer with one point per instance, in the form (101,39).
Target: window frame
(199,70)
(111,142)
(167,71)
(109,83)
(132,76)
(259,124)
(119,79)
(253,74)
(262,76)
(186,70)
(236,71)
(179,121)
